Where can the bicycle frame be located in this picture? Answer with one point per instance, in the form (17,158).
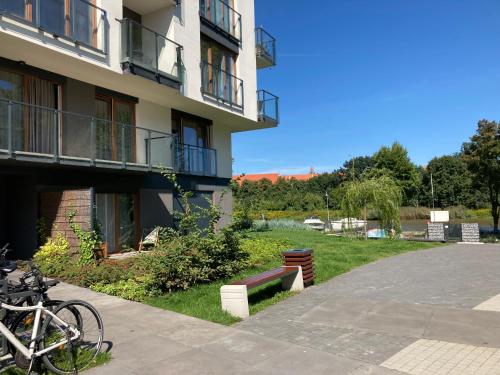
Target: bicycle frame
(29,352)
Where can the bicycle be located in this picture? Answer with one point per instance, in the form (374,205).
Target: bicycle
(60,338)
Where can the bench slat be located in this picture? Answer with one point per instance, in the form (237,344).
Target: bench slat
(267,276)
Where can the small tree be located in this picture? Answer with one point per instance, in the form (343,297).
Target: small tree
(482,155)
(381,194)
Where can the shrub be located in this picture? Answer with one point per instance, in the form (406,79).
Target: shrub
(53,257)
(128,289)
(182,261)
(263,250)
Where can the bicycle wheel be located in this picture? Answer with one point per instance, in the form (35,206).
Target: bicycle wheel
(79,353)
(22,326)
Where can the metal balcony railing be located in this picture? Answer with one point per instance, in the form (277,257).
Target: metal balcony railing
(265,45)
(146,49)
(195,160)
(40,134)
(221,85)
(76,20)
(268,106)
(222,17)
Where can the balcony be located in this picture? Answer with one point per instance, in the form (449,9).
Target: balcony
(76,21)
(221,85)
(265,47)
(223,19)
(151,55)
(268,107)
(195,160)
(44,135)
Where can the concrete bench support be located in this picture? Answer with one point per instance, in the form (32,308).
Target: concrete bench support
(234,298)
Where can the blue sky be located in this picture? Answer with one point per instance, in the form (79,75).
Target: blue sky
(354,75)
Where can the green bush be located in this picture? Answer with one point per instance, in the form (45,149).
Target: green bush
(184,260)
(129,289)
(53,257)
(263,250)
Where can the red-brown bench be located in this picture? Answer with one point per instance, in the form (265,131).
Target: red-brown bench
(234,297)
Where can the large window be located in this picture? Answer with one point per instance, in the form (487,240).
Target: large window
(190,130)
(33,124)
(75,19)
(219,71)
(115,132)
(192,152)
(118,220)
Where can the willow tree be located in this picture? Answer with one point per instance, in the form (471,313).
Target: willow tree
(381,194)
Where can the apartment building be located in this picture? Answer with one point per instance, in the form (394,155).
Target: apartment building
(98,96)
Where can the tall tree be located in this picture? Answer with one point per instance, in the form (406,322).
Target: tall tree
(482,155)
(452,183)
(356,167)
(395,163)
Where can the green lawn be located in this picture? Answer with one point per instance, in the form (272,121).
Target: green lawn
(332,257)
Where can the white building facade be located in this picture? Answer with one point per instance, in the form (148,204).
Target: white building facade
(98,96)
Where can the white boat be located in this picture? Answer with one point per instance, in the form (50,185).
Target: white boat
(315,223)
(345,224)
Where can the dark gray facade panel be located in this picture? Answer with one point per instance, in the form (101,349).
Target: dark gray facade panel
(156,208)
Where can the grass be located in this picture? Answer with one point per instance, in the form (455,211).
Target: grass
(100,359)
(332,256)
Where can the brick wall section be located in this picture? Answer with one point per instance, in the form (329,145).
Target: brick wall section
(56,206)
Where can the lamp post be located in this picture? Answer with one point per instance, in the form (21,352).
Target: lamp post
(328,210)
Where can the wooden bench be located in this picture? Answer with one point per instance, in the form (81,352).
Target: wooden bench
(234,297)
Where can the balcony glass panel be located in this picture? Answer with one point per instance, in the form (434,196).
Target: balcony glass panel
(222,16)
(195,160)
(149,50)
(33,130)
(265,46)
(268,106)
(221,85)
(77,20)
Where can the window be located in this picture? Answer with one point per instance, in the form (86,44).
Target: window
(190,130)
(118,219)
(32,117)
(218,70)
(192,153)
(115,133)
(74,19)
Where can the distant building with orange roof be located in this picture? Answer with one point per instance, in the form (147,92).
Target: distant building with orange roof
(273,177)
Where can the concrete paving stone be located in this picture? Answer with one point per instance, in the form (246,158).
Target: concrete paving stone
(308,361)
(375,370)
(246,347)
(475,327)
(196,362)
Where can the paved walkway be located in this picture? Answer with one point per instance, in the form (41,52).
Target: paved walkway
(420,303)
(411,314)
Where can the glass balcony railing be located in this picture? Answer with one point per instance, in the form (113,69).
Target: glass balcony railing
(146,49)
(268,107)
(221,85)
(47,135)
(265,46)
(77,20)
(195,160)
(221,16)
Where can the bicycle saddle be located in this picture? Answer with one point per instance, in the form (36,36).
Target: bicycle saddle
(8,267)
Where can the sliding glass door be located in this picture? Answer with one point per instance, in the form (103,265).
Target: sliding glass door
(118,220)
(115,133)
